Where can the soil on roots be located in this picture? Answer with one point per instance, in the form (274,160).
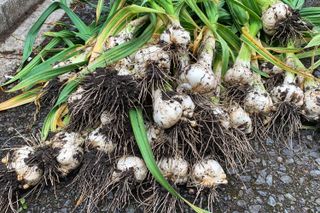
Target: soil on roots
(235,94)
(206,197)
(285,123)
(160,200)
(126,190)
(45,158)
(104,90)
(91,182)
(291,28)
(155,78)
(9,189)
(230,146)
(274,81)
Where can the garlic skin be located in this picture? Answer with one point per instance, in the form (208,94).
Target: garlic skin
(187,104)
(152,54)
(174,169)
(100,141)
(311,107)
(288,92)
(127,163)
(28,175)
(240,119)
(166,113)
(176,34)
(208,173)
(200,75)
(273,15)
(239,74)
(69,146)
(153,133)
(76,96)
(222,115)
(258,100)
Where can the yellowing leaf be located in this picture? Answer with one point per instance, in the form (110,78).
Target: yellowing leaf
(24,98)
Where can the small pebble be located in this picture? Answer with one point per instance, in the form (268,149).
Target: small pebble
(269,180)
(290,197)
(271,201)
(290,161)
(254,208)
(315,173)
(286,179)
(279,159)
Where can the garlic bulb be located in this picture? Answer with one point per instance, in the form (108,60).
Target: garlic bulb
(187,105)
(240,119)
(311,107)
(177,35)
(127,33)
(166,111)
(128,163)
(175,169)
(273,15)
(70,151)
(239,74)
(28,175)
(258,100)
(200,75)
(222,115)
(288,91)
(151,54)
(208,173)
(100,141)
(153,133)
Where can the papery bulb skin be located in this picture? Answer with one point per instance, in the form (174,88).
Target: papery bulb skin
(208,173)
(175,34)
(100,141)
(258,101)
(273,15)
(70,151)
(127,163)
(166,111)
(153,55)
(240,119)
(311,107)
(200,75)
(239,74)
(28,175)
(174,169)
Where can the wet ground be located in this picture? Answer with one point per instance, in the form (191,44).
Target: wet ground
(278,179)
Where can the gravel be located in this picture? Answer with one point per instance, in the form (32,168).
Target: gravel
(278,179)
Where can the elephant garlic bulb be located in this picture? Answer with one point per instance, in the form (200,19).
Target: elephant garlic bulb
(240,73)
(222,115)
(288,91)
(311,107)
(208,173)
(275,14)
(100,141)
(200,75)
(130,163)
(258,100)
(240,119)
(151,54)
(28,175)
(166,111)
(70,151)
(175,169)
(177,35)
